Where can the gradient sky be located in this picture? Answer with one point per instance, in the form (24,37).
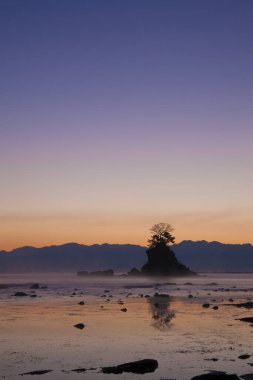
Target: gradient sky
(116,115)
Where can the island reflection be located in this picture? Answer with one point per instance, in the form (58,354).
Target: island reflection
(162,315)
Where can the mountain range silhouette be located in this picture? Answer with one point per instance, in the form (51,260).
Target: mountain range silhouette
(200,256)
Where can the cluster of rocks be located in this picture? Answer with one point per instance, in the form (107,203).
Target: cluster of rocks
(145,366)
(150,365)
(32,293)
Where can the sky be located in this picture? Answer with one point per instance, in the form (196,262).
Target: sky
(115,115)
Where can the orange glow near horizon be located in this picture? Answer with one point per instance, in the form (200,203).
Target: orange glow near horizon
(123,117)
(44,231)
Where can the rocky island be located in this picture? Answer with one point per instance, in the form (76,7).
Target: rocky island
(161,259)
(163,262)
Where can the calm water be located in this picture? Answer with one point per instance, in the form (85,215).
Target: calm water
(38,333)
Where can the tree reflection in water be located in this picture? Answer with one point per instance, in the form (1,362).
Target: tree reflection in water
(160,310)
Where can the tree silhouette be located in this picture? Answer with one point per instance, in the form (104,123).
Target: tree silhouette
(161,235)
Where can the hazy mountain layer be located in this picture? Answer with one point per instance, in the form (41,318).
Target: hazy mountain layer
(199,256)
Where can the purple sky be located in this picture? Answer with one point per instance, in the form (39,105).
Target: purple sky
(116,115)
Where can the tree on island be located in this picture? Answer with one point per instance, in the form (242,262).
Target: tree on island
(161,259)
(161,235)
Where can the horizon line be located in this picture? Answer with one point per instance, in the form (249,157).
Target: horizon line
(105,243)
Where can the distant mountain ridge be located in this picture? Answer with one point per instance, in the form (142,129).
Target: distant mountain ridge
(200,256)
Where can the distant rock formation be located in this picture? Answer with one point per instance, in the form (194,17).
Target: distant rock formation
(134,272)
(163,262)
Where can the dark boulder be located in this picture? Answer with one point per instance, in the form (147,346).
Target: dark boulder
(247,376)
(244,356)
(20,294)
(79,326)
(216,376)
(246,305)
(140,367)
(79,370)
(38,372)
(246,319)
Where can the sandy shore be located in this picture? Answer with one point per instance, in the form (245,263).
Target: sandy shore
(187,339)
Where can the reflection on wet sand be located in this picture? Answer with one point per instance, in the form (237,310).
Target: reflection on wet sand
(161,312)
(37,333)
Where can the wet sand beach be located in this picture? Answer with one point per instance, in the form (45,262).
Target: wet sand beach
(125,319)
